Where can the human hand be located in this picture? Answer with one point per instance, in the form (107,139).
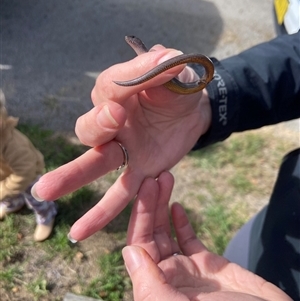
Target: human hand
(157,273)
(157,127)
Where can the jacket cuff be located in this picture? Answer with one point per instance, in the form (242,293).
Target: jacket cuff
(223,95)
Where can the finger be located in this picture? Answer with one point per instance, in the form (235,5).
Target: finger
(149,281)
(165,182)
(157,47)
(165,96)
(114,201)
(93,164)
(105,89)
(101,124)
(162,228)
(186,237)
(140,228)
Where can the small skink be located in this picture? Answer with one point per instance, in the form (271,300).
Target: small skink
(174,85)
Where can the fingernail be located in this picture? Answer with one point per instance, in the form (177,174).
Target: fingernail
(170,55)
(72,240)
(133,259)
(105,118)
(35,195)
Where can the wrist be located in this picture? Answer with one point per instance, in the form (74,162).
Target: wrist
(206,112)
(222,95)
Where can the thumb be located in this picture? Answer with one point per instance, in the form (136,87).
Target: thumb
(106,87)
(149,281)
(101,124)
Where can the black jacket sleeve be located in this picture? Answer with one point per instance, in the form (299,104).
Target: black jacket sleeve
(258,87)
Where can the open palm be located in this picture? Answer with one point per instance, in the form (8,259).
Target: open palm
(164,269)
(156,126)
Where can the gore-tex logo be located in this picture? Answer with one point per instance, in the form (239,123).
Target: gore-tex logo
(222,90)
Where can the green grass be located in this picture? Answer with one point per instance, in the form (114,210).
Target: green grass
(113,280)
(38,287)
(219,225)
(240,159)
(8,276)
(240,151)
(8,237)
(231,171)
(217,222)
(241,183)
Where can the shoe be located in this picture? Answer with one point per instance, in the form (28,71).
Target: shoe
(11,206)
(42,231)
